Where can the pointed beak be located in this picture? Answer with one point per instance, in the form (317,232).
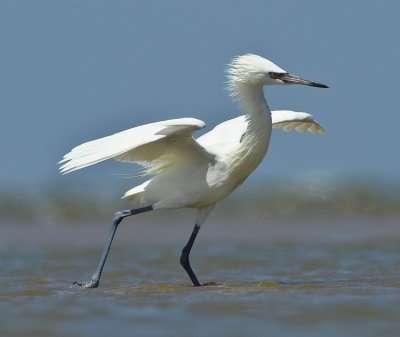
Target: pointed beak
(293,79)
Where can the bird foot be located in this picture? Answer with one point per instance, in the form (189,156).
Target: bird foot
(209,284)
(86,285)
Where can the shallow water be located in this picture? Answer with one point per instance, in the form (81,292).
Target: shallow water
(271,285)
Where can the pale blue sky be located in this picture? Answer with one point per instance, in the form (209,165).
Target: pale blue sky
(71,71)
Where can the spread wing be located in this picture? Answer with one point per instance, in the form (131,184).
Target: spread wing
(155,146)
(293,120)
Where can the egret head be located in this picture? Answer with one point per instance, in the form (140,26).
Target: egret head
(254,70)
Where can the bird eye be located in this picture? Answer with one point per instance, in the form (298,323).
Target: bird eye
(276,76)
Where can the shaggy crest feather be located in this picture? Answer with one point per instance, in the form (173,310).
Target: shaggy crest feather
(248,69)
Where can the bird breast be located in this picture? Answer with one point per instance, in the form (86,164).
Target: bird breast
(231,168)
(249,155)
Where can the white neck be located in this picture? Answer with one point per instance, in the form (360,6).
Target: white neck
(251,99)
(259,126)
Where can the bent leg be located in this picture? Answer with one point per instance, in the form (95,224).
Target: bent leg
(185,257)
(94,282)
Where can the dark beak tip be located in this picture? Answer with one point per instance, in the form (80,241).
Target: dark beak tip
(320,85)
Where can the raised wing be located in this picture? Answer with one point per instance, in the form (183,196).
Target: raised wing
(225,137)
(156,146)
(292,120)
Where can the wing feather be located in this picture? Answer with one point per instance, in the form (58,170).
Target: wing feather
(154,145)
(293,120)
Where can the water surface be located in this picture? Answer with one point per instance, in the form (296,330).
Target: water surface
(281,279)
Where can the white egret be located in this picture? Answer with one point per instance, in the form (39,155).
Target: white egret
(197,173)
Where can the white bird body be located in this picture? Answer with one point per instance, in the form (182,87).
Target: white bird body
(188,172)
(197,173)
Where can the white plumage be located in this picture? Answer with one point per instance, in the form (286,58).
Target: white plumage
(197,173)
(166,148)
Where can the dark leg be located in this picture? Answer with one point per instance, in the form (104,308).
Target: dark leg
(94,282)
(185,256)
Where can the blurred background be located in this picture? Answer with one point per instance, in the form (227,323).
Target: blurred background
(72,71)
(77,70)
